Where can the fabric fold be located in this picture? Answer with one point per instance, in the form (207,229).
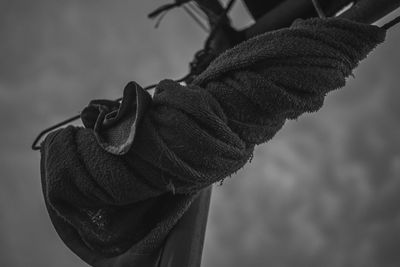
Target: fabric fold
(113,123)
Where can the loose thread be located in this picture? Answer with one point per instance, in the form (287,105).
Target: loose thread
(195,18)
(165,8)
(162,11)
(159,19)
(319,9)
(197,10)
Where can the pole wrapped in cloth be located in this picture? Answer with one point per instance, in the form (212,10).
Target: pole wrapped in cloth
(120,184)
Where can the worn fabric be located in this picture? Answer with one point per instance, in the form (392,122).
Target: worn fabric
(121,183)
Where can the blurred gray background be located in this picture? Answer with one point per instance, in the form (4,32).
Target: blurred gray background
(324,192)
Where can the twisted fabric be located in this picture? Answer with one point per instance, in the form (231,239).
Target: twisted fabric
(119,185)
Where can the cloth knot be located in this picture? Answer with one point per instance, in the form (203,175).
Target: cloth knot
(141,162)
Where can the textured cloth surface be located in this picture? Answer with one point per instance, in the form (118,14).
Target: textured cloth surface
(120,184)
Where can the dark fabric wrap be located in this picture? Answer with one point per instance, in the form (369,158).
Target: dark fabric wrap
(120,184)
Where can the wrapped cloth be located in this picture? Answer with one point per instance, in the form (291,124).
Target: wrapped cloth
(121,183)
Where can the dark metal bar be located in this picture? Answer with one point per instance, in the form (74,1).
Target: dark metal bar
(369,11)
(287,11)
(259,8)
(366,11)
(35,145)
(280,16)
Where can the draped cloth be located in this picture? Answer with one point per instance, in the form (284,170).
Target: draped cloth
(119,184)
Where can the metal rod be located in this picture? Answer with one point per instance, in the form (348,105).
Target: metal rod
(280,16)
(366,11)
(369,11)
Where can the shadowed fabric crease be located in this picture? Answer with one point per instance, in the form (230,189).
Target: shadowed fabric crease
(119,184)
